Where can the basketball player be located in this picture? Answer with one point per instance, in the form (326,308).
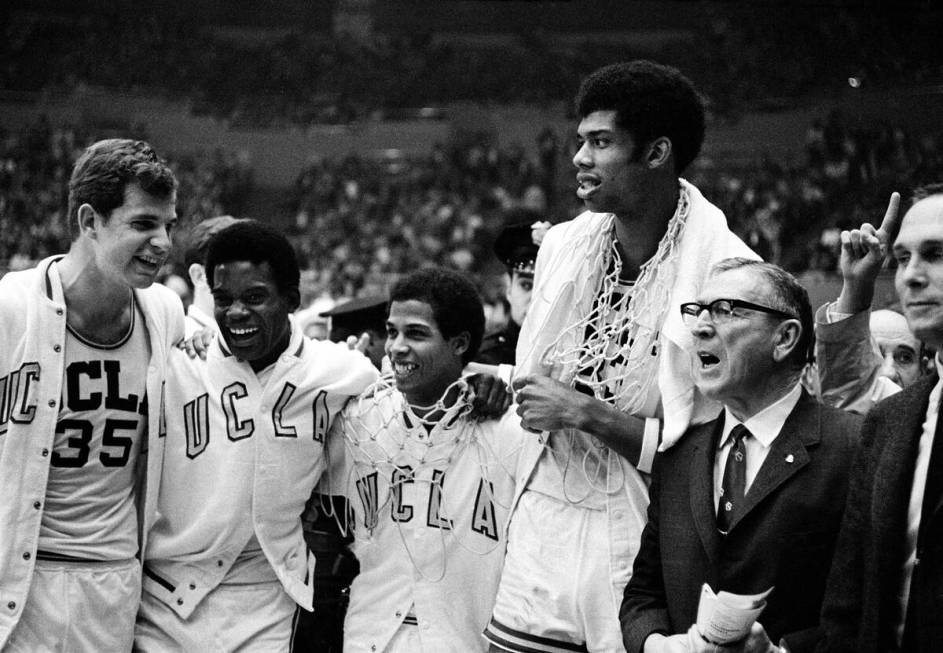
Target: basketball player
(85,342)
(200,310)
(601,362)
(429,487)
(245,432)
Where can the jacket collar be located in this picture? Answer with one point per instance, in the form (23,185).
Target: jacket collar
(788,454)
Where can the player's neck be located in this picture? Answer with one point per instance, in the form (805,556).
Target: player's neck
(431,409)
(638,233)
(96,305)
(272,355)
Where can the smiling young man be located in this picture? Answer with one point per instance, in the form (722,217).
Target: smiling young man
(86,339)
(752,500)
(601,363)
(244,435)
(429,487)
(887,576)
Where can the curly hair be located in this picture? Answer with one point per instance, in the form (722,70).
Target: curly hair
(250,240)
(650,100)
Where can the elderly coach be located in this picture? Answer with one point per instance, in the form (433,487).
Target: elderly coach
(753,499)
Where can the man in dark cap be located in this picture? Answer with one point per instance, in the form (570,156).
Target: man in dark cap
(516,247)
(364,317)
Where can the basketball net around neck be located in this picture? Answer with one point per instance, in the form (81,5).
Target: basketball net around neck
(634,318)
(384,434)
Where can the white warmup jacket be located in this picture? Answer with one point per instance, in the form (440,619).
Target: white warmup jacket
(32,354)
(242,457)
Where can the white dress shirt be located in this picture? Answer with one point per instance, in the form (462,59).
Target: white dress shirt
(764,427)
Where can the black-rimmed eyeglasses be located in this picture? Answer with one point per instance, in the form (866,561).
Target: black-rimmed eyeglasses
(722,310)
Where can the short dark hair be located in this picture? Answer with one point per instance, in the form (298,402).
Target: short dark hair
(925,191)
(650,100)
(787,296)
(250,240)
(456,304)
(198,237)
(105,169)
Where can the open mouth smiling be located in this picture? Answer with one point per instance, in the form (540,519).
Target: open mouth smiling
(403,368)
(243,332)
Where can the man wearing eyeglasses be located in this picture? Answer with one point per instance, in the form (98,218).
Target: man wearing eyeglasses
(752,500)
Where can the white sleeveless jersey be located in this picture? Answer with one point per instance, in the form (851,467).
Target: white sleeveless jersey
(90,508)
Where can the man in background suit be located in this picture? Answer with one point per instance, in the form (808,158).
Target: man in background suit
(885,592)
(753,499)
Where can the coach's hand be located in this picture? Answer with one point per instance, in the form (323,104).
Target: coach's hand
(491,397)
(199,343)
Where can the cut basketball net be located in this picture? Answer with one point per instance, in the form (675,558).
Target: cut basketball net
(383,434)
(612,352)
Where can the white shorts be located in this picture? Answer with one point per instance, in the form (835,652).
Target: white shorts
(78,606)
(557,594)
(233,618)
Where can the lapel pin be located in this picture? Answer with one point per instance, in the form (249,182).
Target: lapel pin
(790,458)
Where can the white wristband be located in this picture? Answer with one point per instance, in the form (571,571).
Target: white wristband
(650,439)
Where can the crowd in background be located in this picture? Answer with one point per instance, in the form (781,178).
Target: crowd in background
(359,222)
(34,188)
(300,77)
(792,214)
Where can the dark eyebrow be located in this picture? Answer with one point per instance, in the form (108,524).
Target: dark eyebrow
(595,132)
(923,244)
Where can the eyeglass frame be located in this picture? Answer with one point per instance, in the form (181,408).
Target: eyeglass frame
(734,303)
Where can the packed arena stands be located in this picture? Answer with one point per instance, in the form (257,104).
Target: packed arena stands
(359,221)
(286,76)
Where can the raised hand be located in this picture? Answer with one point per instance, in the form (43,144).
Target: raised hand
(863,251)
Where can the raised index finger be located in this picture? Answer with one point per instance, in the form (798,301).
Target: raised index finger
(891,222)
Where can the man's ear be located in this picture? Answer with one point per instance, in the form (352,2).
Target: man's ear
(460,343)
(659,152)
(197,274)
(85,217)
(787,338)
(293,297)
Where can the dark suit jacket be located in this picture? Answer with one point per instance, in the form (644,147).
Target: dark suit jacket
(782,537)
(861,607)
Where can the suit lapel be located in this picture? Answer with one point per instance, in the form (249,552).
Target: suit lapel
(895,482)
(787,455)
(704,440)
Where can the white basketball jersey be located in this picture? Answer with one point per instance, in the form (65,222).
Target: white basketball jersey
(90,509)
